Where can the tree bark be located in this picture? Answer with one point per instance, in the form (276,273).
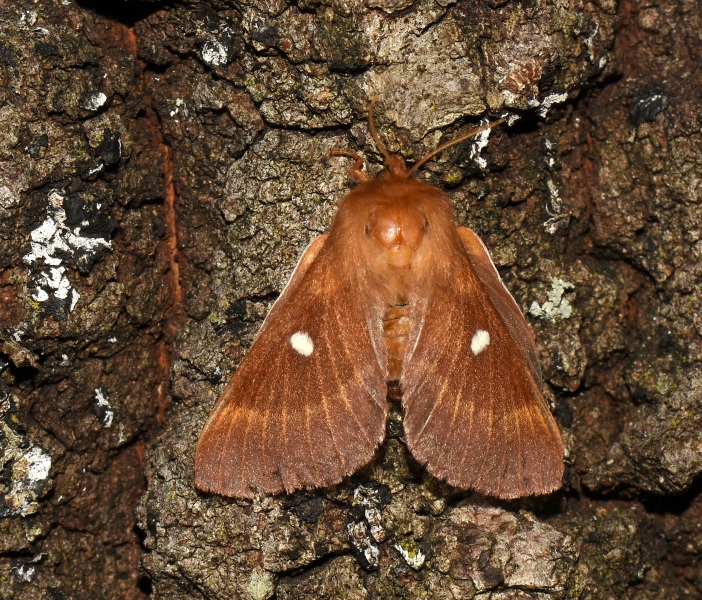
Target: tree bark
(164,167)
(84,299)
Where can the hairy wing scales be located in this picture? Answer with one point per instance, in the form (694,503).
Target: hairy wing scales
(272,428)
(496,435)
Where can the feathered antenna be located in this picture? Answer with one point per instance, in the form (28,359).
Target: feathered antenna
(396,164)
(458,140)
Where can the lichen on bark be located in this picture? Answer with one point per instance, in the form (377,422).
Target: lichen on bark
(80,287)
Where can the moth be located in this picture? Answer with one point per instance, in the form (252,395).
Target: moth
(395,292)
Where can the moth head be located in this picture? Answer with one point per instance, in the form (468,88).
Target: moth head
(394,210)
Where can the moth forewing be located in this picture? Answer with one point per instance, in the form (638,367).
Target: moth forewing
(306,407)
(474,413)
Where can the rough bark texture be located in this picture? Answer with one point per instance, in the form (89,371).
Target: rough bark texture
(82,303)
(211,123)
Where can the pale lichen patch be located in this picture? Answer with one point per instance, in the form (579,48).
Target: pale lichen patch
(29,467)
(50,244)
(214,53)
(101,408)
(411,554)
(94,101)
(260,585)
(556,306)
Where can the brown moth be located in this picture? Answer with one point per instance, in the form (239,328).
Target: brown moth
(395,292)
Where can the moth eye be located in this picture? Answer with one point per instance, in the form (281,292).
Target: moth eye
(425,225)
(368,229)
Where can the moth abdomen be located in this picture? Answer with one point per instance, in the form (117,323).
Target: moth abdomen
(396,333)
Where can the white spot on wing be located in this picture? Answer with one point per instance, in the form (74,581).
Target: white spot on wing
(480,341)
(302,343)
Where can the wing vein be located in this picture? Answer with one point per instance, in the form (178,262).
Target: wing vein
(439,400)
(325,405)
(342,389)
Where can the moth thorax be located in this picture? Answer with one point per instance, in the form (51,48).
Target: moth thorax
(395,225)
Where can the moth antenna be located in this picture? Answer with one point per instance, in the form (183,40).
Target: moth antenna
(374,133)
(356,170)
(453,142)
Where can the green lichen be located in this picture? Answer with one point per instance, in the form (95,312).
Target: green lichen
(453,177)
(260,586)
(556,306)
(412,553)
(665,384)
